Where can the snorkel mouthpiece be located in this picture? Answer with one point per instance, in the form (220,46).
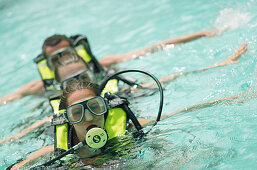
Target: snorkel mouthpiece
(96,137)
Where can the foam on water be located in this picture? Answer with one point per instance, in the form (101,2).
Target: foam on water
(231,19)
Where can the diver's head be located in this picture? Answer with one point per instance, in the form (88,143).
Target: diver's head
(72,66)
(55,42)
(53,47)
(84,106)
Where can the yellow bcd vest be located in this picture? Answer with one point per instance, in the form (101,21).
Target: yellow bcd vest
(115,125)
(115,122)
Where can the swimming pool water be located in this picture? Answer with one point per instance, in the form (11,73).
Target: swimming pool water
(222,136)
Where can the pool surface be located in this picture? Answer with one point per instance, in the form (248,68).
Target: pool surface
(216,136)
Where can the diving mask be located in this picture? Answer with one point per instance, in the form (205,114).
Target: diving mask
(53,59)
(76,112)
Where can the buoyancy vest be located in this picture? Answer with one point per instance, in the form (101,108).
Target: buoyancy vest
(47,75)
(82,47)
(111,86)
(115,120)
(54,102)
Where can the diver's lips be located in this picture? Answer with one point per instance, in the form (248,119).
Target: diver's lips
(90,126)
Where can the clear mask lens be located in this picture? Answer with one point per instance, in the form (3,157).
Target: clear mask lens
(96,106)
(53,59)
(75,113)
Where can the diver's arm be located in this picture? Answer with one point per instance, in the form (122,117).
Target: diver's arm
(27,130)
(28,89)
(35,155)
(190,37)
(233,59)
(244,95)
(145,122)
(118,58)
(198,106)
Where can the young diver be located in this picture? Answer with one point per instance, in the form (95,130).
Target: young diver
(76,67)
(84,108)
(93,112)
(56,43)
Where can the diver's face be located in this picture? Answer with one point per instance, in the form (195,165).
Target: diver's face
(70,70)
(49,50)
(89,119)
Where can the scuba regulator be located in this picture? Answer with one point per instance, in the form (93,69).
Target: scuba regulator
(96,137)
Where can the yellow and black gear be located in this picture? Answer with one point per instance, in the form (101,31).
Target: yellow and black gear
(82,47)
(115,120)
(47,75)
(115,125)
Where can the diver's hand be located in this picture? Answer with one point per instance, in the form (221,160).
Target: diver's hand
(236,55)
(233,59)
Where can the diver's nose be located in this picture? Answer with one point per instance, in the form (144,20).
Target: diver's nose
(88,116)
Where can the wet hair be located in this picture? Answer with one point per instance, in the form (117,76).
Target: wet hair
(54,40)
(69,57)
(74,85)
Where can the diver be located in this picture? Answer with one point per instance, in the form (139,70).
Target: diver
(38,85)
(54,45)
(74,66)
(86,110)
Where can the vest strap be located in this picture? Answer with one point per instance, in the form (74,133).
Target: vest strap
(39,58)
(118,102)
(58,119)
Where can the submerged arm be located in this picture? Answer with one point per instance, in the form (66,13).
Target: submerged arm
(145,122)
(199,106)
(27,130)
(28,89)
(233,59)
(35,155)
(211,103)
(118,58)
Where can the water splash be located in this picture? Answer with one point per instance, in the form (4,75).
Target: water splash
(231,19)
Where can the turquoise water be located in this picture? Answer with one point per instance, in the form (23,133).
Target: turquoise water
(219,137)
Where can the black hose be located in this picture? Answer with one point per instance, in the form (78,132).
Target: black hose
(57,158)
(106,79)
